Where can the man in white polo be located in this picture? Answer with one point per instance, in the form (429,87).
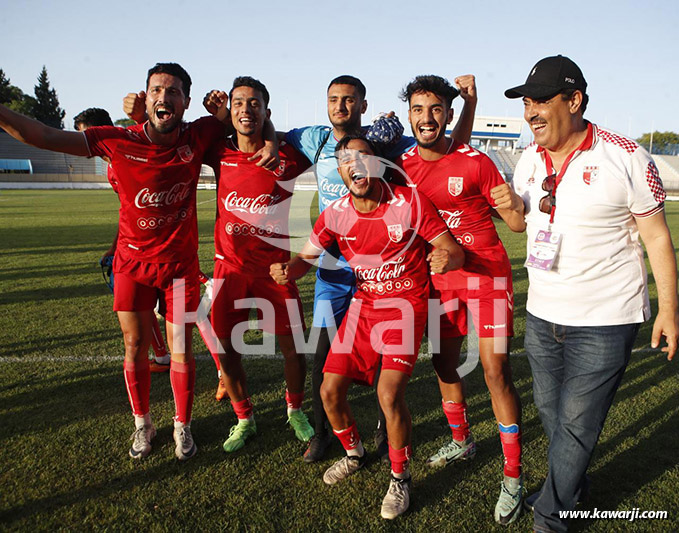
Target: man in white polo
(589,195)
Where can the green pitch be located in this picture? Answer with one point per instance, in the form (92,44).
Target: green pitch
(65,421)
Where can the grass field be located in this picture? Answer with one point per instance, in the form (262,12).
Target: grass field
(65,420)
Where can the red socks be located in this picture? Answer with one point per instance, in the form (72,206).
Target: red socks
(243,409)
(510,436)
(456,413)
(349,437)
(215,358)
(157,340)
(294,399)
(182,379)
(400,458)
(138,384)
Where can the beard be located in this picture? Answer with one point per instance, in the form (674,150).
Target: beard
(431,143)
(165,127)
(367,192)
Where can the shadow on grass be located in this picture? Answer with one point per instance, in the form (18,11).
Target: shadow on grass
(63,399)
(646,459)
(632,465)
(99,392)
(53,293)
(28,347)
(51,271)
(59,239)
(90,393)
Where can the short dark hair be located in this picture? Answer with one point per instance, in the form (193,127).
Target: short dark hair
(92,116)
(345,79)
(566,94)
(430,83)
(344,141)
(248,81)
(173,69)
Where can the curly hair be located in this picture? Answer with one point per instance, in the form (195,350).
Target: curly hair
(430,84)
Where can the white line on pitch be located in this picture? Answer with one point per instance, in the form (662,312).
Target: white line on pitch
(204,357)
(207,201)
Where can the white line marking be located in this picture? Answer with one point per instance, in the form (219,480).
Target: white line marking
(207,201)
(208,357)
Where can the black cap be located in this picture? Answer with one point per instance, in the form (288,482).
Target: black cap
(548,78)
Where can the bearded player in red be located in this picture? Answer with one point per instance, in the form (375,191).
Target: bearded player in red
(466,188)
(250,232)
(157,166)
(381,230)
(99,117)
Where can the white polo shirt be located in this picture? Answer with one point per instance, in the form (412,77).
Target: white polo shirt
(599,276)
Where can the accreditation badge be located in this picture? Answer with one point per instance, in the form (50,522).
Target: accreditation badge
(544,250)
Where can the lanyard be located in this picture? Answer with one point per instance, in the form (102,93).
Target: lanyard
(550,171)
(586,143)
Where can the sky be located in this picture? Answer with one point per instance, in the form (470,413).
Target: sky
(96,52)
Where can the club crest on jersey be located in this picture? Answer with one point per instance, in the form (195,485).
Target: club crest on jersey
(395,232)
(455,185)
(185,153)
(281,169)
(590,174)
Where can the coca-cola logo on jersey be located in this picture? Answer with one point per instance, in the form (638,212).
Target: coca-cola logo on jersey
(264,204)
(466,239)
(153,223)
(336,189)
(386,287)
(246,229)
(175,195)
(384,272)
(452,218)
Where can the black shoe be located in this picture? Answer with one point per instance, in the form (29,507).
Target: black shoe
(317,448)
(382,445)
(529,502)
(583,496)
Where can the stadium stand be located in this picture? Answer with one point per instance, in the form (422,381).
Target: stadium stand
(16,166)
(46,162)
(496,133)
(306,181)
(505,161)
(668,166)
(52,170)
(672,160)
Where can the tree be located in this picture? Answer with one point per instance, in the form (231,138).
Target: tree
(25,105)
(124,122)
(14,98)
(6,87)
(46,108)
(664,142)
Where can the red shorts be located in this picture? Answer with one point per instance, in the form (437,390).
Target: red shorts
(394,335)
(489,301)
(272,311)
(139,285)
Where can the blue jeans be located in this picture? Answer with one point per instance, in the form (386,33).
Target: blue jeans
(576,372)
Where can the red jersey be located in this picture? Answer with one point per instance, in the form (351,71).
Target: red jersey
(253,204)
(156,185)
(459,186)
(386,247)
(111,175)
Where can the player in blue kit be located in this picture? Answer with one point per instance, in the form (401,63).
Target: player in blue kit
(335,282)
